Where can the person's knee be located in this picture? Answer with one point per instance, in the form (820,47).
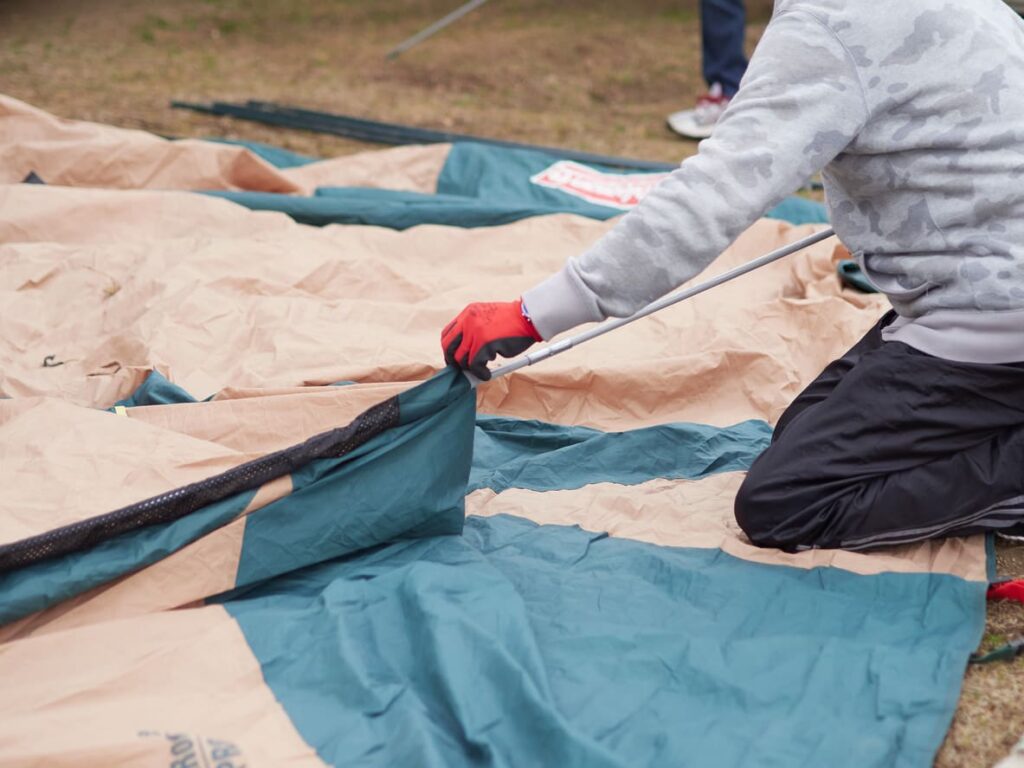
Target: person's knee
(755,515)
(776,509)
(773,507)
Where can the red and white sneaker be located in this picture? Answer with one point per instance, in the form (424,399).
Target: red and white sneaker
(697,123)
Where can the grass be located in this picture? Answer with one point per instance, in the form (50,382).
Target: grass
(595,75)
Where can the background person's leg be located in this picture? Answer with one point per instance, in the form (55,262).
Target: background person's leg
(905,447)
(723,27)
(722,24)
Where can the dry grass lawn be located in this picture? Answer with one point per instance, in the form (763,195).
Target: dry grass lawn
(595,75)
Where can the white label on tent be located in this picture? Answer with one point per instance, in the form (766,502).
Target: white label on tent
(613,190)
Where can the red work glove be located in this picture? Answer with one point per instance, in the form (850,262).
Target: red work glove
(483,331)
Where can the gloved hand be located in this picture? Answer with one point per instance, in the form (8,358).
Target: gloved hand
(480,332)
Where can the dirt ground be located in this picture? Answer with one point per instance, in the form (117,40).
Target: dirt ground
(589,74)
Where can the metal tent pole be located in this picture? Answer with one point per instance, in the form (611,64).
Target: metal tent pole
(574,341)
(434,28)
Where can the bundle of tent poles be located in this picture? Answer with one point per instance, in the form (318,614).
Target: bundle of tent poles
(377,132)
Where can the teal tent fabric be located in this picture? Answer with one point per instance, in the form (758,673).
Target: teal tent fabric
(371,482)
(373,486)
(479,186)
(799,210)
(517,644)
(525,453)
(853,276)
(393,209)
(156,390)
(496,173)
(522,453)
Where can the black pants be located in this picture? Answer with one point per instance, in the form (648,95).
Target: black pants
(887,446)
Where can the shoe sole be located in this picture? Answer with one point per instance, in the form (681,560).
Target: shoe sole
(690,136)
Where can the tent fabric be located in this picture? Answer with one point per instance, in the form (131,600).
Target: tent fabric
(371,454)
(481,185)
(276,156)
(565,629)
(545,570)
(82,154)
(852,275)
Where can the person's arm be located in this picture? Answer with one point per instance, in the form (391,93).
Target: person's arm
(799,105)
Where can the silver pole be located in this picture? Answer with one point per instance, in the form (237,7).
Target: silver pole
(434,28)
(573,341)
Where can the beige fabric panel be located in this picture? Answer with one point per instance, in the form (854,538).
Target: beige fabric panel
(76,153)
(295,306)
(35,213)
(114,703)
(263,423)
(698,513)
(412,168)
(282,309)
(60,463)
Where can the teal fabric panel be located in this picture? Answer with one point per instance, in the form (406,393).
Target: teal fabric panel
(156,390)
(853,276)
(503,174)
(520,453)
(276,156)
(393,209)
(799,210)
(499,174)
(517,644)
(479,186)
(48,582)
(540,456)
(409,481)
(418,654)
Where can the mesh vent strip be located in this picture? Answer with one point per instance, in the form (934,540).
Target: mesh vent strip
(181,502)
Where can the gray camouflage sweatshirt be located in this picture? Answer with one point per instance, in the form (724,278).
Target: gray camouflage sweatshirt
(913,111)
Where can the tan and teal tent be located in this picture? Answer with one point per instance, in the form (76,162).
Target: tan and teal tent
(249,519)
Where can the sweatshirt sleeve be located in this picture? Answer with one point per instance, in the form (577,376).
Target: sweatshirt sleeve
(799,105)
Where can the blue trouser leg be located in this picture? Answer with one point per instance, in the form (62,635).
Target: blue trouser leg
(722,26)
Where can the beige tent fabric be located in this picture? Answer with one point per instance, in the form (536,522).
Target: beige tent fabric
(185,682)
(412,169)
(291,305)
(60,463)
(75,153)
(698,513)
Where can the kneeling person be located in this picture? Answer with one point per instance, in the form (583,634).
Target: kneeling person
(915,117)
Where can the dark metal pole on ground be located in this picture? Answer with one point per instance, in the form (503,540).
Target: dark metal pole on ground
(393,133)
(434,28)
